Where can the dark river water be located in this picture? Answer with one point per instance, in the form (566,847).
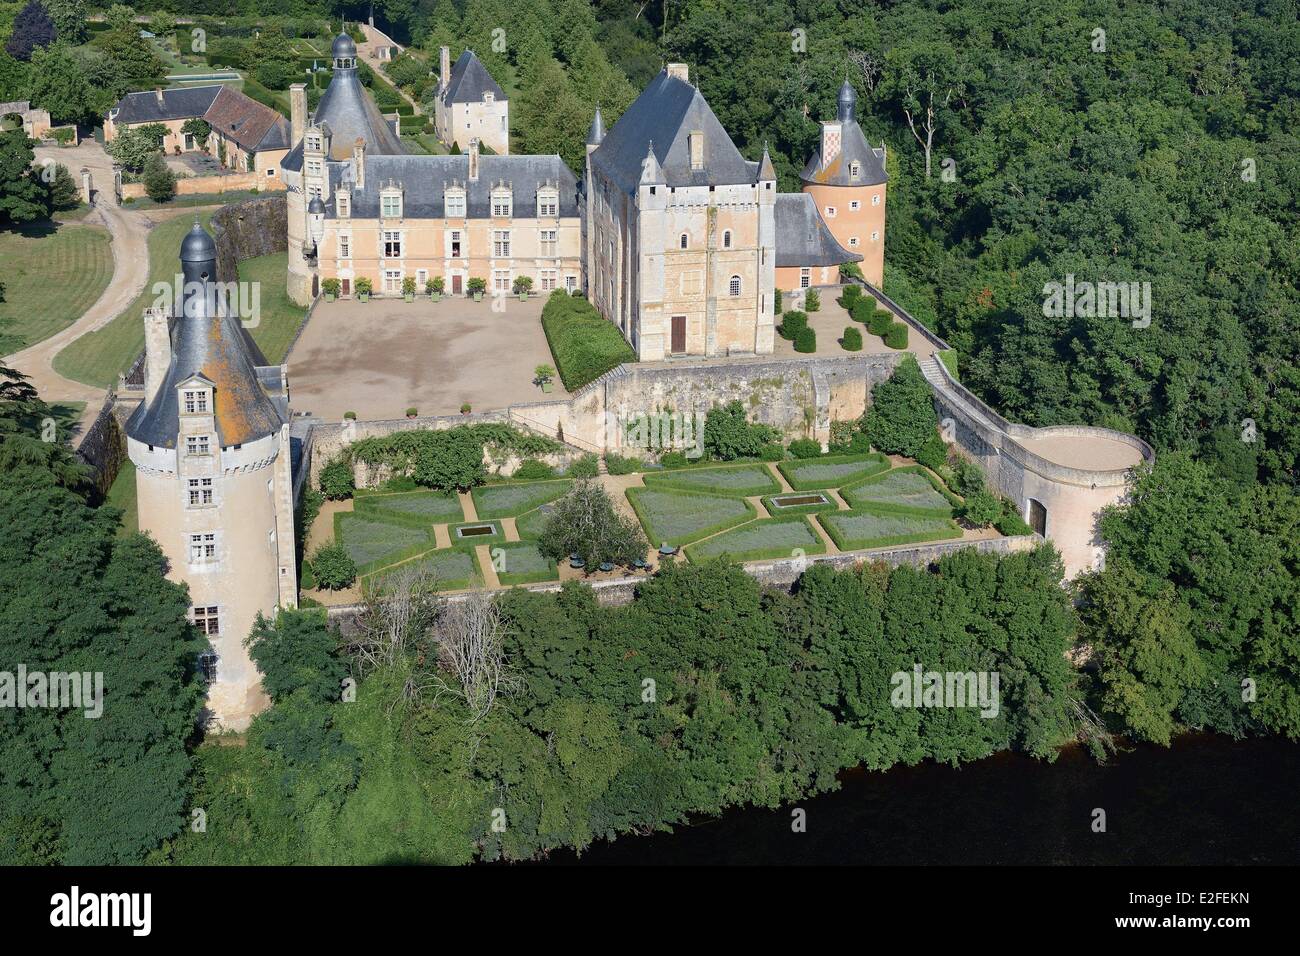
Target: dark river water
(1205,800)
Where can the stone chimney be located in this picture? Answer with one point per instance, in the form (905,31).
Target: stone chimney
(157,350)
(444,67)
(359,162)
(679,70)
(158,95)
(297,111)
(832,137)
(473,160)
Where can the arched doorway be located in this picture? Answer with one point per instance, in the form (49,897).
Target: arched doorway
(1037,516)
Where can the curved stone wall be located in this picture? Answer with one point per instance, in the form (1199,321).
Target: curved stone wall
(243,230)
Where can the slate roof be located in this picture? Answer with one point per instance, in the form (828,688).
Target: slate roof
(426,177)
(802,238)
(252,125)
(853,147)
(662,118)
(469,80)
(181,103)
(247,401)
(351,113)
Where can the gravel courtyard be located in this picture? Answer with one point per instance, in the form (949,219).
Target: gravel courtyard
(379,358)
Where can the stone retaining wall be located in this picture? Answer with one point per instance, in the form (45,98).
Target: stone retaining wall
(244,230)
(103,447)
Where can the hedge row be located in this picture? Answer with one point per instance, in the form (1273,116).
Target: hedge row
(584,344)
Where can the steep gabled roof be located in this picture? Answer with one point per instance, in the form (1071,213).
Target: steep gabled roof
(802,238)
(249,123)
(469,80)
(662,118)
(184,103)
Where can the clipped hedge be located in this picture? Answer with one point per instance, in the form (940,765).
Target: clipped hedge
(584,344)
(761,540)
(852,341)
(896,337)
(831,471)
(792,323)
(856,494)
(734,511)
(806,341)
(862,529)
(880,321)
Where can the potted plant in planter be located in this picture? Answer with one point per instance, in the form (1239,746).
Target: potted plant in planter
(476,287)
(412,412)
(523,286)
(364,288)
(408,289)
(434,287)
(465,409)
(545,374)
(331,289)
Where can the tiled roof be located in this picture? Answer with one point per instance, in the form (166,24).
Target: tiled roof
(425,179)
(249,123)
(469,80)
(662,118)
(802,238)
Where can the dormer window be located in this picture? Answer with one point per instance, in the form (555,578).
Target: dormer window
(390,204)
(343,205)
(197,445)
(313,143)
(855,169)
(696,140)
(195,401)
(488,96)
(502,203)
(548,203)
(455,199)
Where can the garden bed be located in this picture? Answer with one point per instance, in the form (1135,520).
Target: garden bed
(859,530)
(677,517)
(832,471)
(454,569)
(531,524)
(765,539)
(433,507)
(374,543)
(743,480)
(907,490)
(517,497)
(521,562)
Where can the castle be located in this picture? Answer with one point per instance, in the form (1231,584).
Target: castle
(673,236)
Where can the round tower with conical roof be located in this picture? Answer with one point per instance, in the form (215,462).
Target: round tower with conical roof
(214,484)
(846,178)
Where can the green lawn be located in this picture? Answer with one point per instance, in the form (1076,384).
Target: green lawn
(680,517)
(453,568)
(584,345)
(806,474)
(122,495)
(522,563)
(745,480)
(763,539)
(98,357)
(856,530)
(903,490)
(51,275)
(515,498)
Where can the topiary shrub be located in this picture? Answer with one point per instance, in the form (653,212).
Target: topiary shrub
(334,567)
(673,459)
(307,579)
(772,452)
(792,324)
(621,465)
(805,341)
(896,337)
(850,297)
(879,322)
(776,302)
(337,480)
(812,300)
(533,470)
(806,448)
(933,453)
(901,418)
(1009,522)
(852,340)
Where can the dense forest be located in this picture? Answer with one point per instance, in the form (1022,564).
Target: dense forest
(1027,142)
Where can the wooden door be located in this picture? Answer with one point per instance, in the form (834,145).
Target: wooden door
(1038,517)
(345,286)
(455,284)
(679,334)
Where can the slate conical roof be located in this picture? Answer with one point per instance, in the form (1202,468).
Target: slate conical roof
(350,113)
(211,345)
